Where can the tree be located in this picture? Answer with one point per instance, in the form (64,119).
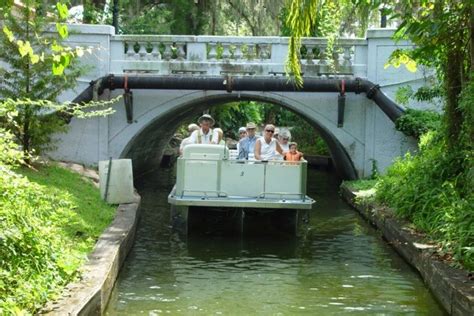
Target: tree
(438,29)
(325,18)
(30,54)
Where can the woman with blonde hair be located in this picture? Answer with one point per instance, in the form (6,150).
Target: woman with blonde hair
(267,147)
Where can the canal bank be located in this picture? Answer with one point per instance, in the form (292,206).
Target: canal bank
(90,295)
(453,287)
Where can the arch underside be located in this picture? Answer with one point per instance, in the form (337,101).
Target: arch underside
(146,147)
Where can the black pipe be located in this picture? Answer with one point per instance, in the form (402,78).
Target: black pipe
(86,95)
(357,85)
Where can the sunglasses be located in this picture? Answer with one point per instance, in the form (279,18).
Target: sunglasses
(270,131)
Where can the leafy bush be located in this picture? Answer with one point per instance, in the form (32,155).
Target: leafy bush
(418,122)
(432,190)
(309,141)
(46,230)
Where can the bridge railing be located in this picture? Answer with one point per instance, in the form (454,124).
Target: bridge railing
(217,55)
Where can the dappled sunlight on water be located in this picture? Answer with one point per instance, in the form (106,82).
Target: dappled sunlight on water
(339,265)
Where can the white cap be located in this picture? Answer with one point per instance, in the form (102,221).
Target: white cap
(242,129)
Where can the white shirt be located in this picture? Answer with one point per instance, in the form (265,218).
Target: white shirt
(205,138)
(184,143)
(267,150)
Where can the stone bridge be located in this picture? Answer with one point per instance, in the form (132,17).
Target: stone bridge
(177,77)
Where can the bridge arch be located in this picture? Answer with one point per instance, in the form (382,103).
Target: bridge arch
(145,142)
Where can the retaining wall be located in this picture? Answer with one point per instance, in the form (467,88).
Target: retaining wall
(91,294)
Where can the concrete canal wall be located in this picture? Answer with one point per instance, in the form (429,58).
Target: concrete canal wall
(90,295)
(453,287)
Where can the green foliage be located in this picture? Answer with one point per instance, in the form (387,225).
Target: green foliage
(440,32)
(309,141)
(233,115)
(404,94)
(418,122)
(49,222)
(328,18)
(9,153)
(154,20)
(32,55)
(429,190)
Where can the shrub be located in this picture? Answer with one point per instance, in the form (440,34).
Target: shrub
(431,190)
(45,234)
(417,122)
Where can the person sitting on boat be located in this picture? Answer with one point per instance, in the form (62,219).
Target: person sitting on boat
(191,128)
(205,134)
(219,140)
(247,144)
(293,154)
(242,135)
(283,139)
(267,147)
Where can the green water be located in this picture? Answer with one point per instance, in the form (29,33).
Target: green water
(341,266)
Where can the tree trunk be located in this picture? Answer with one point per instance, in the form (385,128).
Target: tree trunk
(471,39)
(453,83)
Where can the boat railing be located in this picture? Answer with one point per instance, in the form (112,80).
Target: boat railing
(206,172)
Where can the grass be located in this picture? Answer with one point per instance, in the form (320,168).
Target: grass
(50,220)
(93,214)
(361,184)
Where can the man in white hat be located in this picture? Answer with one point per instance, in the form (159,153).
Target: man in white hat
(191,128)
(247,144)
(204,135)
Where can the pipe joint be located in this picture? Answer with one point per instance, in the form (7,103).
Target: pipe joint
(372,91)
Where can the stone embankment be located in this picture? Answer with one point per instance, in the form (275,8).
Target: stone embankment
(453,287)
(90,294)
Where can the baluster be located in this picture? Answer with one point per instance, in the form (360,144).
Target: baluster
(226,51)
(167,53)
(238,51)
(347,56)
(262,54)
(142,51)
(322,55)
(155,52)
(180,53)
(251,52)
(268,50)
(335,57)
(309,54)
(212,51)
(323,64)
(130,50)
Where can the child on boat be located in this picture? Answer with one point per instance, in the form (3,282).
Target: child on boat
(293,154)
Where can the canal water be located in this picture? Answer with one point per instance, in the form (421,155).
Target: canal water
(341,265)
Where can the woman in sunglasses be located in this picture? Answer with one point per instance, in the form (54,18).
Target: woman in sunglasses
(267,147)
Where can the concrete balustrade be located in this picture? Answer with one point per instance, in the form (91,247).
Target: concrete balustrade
(215,55)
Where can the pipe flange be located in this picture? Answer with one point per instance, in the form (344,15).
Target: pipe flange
(372,91)
(358,85)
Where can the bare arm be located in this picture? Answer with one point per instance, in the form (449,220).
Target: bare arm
(258,147)
(279,149)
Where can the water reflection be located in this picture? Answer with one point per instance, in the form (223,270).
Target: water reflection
(340,265)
